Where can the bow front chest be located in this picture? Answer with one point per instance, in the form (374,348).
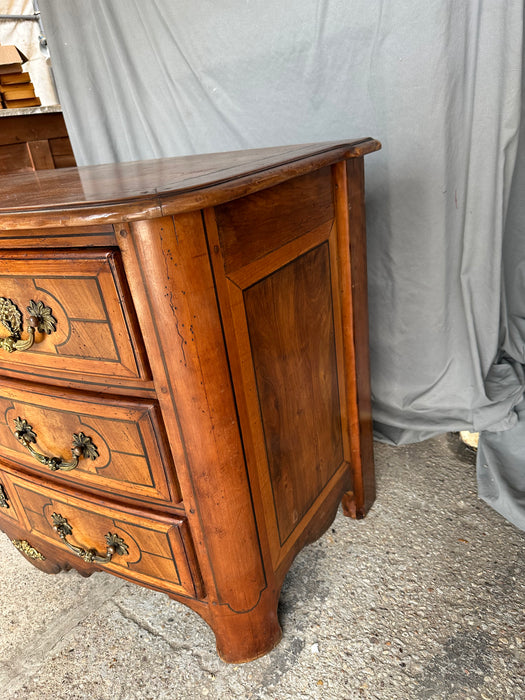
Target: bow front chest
(184,383)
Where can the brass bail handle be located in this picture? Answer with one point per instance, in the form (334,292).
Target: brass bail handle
(82,446)
(114,543)
(40,319)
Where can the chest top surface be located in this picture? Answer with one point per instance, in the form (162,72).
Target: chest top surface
(147,189)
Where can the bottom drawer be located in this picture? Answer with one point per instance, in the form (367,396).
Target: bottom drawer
(153,551)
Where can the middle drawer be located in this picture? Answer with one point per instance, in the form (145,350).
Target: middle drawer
(113,446)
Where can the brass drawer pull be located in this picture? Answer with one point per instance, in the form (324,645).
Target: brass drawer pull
(82,447)
(114,543)
(40,319)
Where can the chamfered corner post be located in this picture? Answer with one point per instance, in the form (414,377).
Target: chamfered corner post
(351,225)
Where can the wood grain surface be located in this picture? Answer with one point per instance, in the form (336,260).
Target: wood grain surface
(149,189)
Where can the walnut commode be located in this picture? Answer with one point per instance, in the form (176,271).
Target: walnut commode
(184,372)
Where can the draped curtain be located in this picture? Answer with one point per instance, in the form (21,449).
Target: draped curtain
(439,83)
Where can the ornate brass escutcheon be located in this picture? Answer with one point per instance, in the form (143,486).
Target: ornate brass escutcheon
(24,547)
(82,446)
(40,319)
(114,543)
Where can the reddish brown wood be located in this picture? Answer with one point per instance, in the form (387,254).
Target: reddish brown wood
(296,320)
(87,294)
(357,503)
(187,327)
(62,237)
(148,189)
(282,215)
(213,343)
(62,152)
(15,157)
(157,547)
(133,455)
(34,142)
(40,154)
(32,127)
(290,325)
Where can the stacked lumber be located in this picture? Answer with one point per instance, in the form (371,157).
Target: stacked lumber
(16,88)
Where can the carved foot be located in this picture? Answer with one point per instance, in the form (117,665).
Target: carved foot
(350,507)
(246,636)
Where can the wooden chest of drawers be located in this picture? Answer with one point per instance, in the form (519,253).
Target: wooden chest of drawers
(184,385)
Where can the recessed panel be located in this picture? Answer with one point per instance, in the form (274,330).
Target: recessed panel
(291,328)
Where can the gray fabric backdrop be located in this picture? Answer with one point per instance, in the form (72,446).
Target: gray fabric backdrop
(439,83)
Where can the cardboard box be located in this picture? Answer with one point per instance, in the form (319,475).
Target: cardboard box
(11,59)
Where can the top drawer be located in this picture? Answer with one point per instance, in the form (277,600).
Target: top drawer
(93,329)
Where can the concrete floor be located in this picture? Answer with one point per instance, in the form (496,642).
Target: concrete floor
(422,599)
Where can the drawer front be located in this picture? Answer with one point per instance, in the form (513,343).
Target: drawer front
(124,447)
(91,330)
(158,552)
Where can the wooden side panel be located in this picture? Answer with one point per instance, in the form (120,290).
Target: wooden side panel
(133,455)
(291,329)
(96,329)
(284,331)
(253,226)
(160,550)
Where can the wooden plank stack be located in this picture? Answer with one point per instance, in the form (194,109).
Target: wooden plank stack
(16,88)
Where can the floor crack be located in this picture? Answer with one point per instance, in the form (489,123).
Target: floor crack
(175,646)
